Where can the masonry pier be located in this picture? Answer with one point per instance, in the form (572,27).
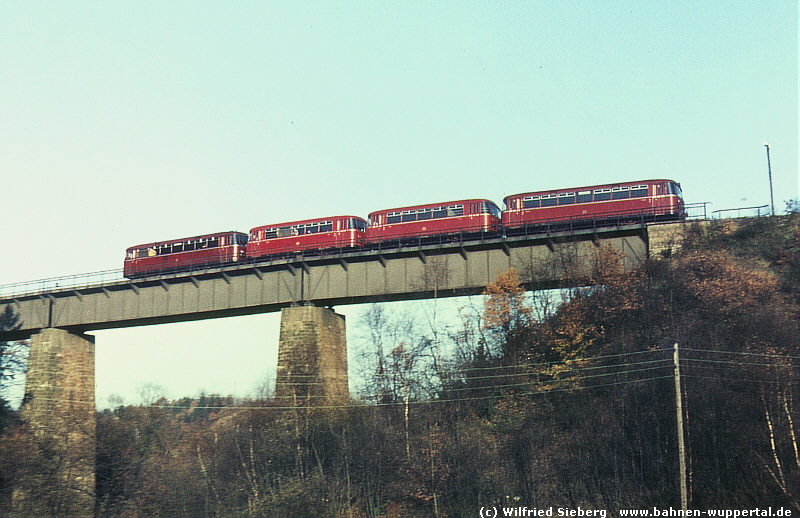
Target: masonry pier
(312,357)
(59,409)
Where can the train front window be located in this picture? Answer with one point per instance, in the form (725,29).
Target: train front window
(357,224)
(490,208)
(675,189)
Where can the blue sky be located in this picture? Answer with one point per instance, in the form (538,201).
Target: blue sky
(128,122)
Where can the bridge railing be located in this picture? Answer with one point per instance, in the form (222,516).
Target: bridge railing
(742,212)
(78,281)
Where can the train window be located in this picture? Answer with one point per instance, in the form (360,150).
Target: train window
(490,208)
(530,202)
(284,232)
(549,200)
(602,194)
(408,216)
(177,247)
(326,226)
(455,210)
(638,191)
(142,252)
(424,214)
(619,193)
(357,224)
(213,242)
(583,197)
(440,212)
(675,189)
(566,198)
(393,218)
(189,245)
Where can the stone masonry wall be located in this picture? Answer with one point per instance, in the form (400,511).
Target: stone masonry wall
(59,410)
(312,357)
(664,239)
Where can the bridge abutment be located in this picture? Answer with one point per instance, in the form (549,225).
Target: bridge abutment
(59,410)
(312,357)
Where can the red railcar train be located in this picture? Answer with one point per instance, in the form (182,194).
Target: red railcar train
(308,234)
(464,217)
(186,253)
(644,200)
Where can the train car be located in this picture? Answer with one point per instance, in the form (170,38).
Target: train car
(464,218)
(307,235)
(185,254)
(645,200)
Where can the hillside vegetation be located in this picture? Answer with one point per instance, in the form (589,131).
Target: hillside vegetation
(529,401)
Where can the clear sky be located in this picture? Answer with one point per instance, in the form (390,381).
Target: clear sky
(130,122)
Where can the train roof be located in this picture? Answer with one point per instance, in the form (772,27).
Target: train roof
(191,238)
(306,221)
(431,205)
(589,187)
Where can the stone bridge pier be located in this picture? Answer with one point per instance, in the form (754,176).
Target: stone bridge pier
(59,404)
(59,411)
(312,358)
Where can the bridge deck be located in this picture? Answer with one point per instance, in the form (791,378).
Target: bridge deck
(425,271)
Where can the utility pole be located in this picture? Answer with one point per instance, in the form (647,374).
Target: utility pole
(769,172)
(681,445)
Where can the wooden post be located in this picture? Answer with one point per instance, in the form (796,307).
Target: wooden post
(681,445)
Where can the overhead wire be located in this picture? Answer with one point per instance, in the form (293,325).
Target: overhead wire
(571,373)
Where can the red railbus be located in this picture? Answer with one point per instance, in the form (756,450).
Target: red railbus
(644,200)
(185,254)
(308,234)
(467,218)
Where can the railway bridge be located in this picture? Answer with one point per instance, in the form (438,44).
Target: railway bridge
(59,401)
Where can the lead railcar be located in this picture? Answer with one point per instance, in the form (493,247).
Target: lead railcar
(639,201)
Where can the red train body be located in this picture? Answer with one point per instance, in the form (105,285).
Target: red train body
(185,254)
(308,234)
(464,217)
(645,200)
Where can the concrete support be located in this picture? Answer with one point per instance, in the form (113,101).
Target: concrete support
(312,357)
(59,410)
